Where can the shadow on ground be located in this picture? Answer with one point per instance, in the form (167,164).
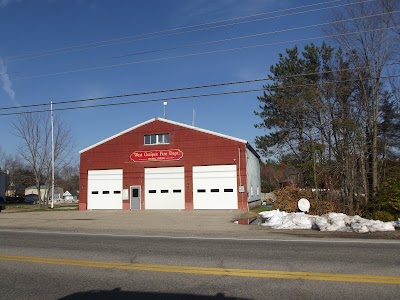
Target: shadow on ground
(118,294)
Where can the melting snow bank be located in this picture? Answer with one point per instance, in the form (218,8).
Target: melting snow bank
(330,222)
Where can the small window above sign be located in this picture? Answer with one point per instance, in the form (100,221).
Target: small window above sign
(156,139)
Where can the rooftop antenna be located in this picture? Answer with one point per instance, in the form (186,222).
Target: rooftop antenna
(193,116)
(165,105)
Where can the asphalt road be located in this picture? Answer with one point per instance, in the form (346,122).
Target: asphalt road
(45,265)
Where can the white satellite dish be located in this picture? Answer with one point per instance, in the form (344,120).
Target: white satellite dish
(303,204)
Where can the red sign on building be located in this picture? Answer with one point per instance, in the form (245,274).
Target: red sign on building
(156,155)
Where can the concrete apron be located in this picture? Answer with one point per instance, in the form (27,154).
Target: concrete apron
(196,223)
(150,222)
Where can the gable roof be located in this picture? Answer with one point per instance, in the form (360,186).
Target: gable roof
(72,193)
(166,121)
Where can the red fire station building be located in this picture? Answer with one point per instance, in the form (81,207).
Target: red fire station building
(161,164)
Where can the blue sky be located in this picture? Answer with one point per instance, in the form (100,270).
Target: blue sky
(32,74)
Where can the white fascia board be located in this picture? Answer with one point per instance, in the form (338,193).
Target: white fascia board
(170,122)
(117,135)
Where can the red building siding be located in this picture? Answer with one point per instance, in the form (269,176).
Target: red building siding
(199,149)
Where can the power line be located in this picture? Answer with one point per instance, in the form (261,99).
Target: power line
(196,96)
(253,35)
(136,102)
(190,88)
(199,53)
(139,94)
(111,42)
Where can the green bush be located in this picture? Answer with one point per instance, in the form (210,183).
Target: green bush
(389,196)
(383,216)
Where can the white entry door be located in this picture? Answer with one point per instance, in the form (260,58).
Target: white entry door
(104,189)
(215,187)
(164,188)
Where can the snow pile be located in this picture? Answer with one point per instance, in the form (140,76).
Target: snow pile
(277,219)
(396,224)
(283,220)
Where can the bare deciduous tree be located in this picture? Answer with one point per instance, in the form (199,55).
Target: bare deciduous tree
(369,41)
(35,149)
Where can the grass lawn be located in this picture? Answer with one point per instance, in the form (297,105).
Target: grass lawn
(260,209)
(22,207)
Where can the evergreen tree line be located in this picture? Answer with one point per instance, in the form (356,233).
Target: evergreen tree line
(332,110)
(319,113)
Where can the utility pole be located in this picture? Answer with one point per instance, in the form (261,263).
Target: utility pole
(52,154)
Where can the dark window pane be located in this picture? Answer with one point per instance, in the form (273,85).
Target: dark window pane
(214,190)
(106,192)
(201,191)
(228,190)
(153,139)
(117,192)
(95,192)
(164,191)
(135,193)
(177,191)
(147,139)
(152,191)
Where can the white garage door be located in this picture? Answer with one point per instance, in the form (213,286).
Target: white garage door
(215,187)
(105,189)
(164,188)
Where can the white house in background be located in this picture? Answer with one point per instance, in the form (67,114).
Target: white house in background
(45,192)
(67,196)
(70,196)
